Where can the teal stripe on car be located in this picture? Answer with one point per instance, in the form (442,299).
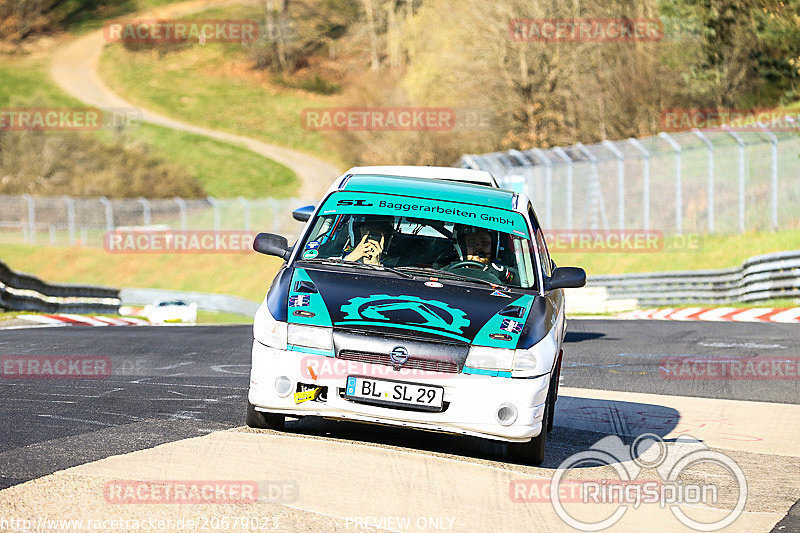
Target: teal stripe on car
(312,351)
(466,193)
(483,372)
(445,208)
(315,305)
(491,335)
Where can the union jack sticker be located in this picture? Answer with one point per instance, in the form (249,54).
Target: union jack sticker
(512,326)
(300,300)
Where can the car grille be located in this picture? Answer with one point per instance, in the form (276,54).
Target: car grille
(413,362)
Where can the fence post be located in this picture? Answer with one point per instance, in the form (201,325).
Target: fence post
(597,202)
(527,171)
(568,160)
(215,205)
(710,193)
(182,210)
(678,193)
(109,213)
(246,211)
(70,218)
(620,182)
(645,181)
(145,210)
(31,218)
(774,176)
(741,143)
(548,186)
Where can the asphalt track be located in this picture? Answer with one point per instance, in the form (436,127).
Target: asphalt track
(174,383)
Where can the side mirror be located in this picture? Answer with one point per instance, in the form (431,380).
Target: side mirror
(566,278)
(271,244)
(302,214)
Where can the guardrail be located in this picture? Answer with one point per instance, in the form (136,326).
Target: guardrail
(763,277)
(22,292)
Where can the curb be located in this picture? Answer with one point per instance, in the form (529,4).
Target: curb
(782,315)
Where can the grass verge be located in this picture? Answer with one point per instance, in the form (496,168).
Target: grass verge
(706,252)
(246,275)
(212,85)
(222,169)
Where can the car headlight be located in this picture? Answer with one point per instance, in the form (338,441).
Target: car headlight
(486,358)
(536,360)
(267,330)
(317,337)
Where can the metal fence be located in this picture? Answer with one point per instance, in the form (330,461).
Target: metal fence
(84,221)
(693,182)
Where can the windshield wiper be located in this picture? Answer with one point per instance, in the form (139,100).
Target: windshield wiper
(340,261)
(449,275)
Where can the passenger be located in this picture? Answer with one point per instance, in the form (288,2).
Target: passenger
(477,250)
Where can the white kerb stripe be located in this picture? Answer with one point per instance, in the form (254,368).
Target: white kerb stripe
(751,315)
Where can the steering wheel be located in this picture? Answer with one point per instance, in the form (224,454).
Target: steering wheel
(464,264)
(473,269)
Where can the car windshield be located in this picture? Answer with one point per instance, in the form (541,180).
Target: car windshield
(426,246)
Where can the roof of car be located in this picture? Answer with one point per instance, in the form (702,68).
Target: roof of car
(464,175)
(416,187)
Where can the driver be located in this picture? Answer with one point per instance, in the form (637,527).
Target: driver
(371,237)
(477,250)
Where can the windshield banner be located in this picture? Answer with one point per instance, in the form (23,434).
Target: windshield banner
(360,203)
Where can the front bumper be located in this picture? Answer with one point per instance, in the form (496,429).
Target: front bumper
(471,401)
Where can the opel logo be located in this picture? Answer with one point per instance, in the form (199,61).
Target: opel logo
(398,356)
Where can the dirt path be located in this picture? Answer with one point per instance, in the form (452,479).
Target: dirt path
(74,68)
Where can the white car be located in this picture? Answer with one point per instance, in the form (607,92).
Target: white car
(168,311)
(416,297)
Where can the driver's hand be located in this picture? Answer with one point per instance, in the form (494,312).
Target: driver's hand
(368,250)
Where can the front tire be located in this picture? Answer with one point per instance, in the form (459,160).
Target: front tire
(532,452)
(259,420)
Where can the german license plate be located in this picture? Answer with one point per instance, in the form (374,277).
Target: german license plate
(395,393)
